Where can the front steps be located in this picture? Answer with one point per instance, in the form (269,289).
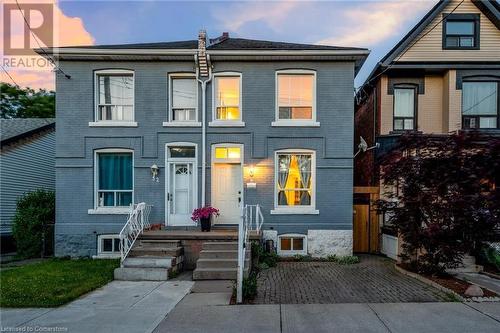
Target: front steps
(151,260)
(219,261)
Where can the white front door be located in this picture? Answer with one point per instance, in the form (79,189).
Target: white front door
(180,193)
(227,192)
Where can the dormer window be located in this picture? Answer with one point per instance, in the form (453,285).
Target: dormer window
(461,31)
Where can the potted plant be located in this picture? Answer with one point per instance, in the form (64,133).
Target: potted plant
(203,215)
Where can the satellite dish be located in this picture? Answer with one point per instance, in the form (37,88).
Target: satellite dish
(363,146)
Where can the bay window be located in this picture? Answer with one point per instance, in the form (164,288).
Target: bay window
(114,178)
(295,97)
(404,109)
(480,102)
(114,96)
(295,181)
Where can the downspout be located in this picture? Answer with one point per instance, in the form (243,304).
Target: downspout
(203,84)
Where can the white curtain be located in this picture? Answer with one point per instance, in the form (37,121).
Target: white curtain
(404,100)
(479,98)
(283,170)
(184,93)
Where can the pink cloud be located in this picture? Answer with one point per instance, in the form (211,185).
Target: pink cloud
(68,31)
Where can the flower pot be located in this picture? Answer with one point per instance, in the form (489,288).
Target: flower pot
(205,223)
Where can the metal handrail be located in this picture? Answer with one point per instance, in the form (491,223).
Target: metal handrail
(251,218)
(137,221)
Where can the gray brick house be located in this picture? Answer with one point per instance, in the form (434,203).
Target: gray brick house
(277,131)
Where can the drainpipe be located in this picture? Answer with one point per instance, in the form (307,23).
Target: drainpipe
(203,84)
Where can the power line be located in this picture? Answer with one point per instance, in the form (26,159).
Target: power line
(11,78)
(57,68)
(410,46)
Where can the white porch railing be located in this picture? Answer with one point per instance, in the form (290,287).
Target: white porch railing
(251,220)
(137,221)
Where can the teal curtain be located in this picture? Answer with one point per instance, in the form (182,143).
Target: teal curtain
(115,171)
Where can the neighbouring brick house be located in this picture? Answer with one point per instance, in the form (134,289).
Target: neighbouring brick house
(442,77)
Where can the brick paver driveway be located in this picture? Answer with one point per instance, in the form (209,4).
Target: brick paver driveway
(373,280)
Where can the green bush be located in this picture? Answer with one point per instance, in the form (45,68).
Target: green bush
(343,260)
(249,287)
(300,257)
(33,223)
(490,256)
(270,259)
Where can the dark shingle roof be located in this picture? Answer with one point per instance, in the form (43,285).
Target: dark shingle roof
(227,44)
(10,129)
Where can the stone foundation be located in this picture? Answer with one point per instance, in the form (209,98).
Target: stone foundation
(79,245)
(322,243)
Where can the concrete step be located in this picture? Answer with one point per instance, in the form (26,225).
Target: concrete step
(221,254)
(219,263)
(217,273)
(141,274)
(164,243)
(220,246)
(149,262)
(139,251)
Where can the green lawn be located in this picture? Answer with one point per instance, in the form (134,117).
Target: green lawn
(53,282)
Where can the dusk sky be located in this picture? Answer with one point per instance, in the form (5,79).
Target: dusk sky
(377,25)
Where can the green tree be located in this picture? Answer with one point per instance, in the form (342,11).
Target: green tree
(26,103)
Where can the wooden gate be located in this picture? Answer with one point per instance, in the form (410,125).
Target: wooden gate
(365,222)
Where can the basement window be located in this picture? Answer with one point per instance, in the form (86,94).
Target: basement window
(292,244)
(108,246)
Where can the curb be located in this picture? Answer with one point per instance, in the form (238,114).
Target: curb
(444,289)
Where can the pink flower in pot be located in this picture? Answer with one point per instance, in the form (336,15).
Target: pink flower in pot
(204,214)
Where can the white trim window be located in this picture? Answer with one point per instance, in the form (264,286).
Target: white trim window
(295,98)
(108,246)
(183,100)
(114,178)
(292,244)
(114,98)
(226,97)
(295,182)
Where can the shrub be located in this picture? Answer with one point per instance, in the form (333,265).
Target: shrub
(490,256)
(270,259)
(249,287)
(447,203)
(32,229)
(301,257)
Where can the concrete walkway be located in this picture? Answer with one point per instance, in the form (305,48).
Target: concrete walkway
(482,280)
(210,313)
(120,306)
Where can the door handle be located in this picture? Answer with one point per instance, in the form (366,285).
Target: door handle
(239,199)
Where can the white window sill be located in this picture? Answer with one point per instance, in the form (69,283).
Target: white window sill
(110,211)
(295,123)
(181,124)
(107,256)
(294,211)
(226,123)
(111,123)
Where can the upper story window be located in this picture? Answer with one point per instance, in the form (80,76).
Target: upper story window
(480,102)
(461,31)
(295,97)
(404,108)
(114,96)
(295,181)
(114,178)
(183,95)
(227,100)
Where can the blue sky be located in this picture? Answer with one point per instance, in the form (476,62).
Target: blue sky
(377,25)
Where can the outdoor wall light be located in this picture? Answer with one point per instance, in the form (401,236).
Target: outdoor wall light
(251,171)
(155,171)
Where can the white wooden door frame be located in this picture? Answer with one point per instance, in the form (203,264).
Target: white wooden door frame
(215,161)
(175,160)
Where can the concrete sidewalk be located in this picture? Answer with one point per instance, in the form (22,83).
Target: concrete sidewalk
(120,306)
(209,313)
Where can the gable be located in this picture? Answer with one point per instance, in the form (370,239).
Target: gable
(428,47)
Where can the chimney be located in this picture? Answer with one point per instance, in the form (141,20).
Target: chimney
(220,39)
(202,53)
